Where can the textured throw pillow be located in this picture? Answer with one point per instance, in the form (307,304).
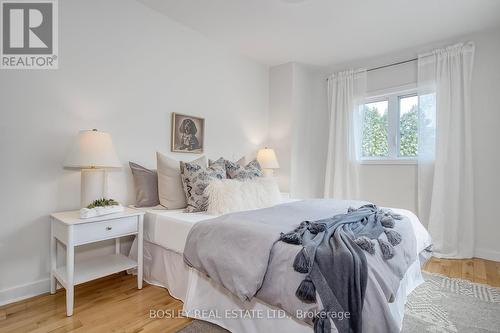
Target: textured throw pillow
(146,185)
(236,171)
(170,189)
(195,179)
(230,195)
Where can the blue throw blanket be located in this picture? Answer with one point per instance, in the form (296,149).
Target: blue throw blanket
(334,243)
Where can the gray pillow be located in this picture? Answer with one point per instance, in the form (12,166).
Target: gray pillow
(195,179)
(236,171)
(146,185)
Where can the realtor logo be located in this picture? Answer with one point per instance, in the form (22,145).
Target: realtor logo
(29,34)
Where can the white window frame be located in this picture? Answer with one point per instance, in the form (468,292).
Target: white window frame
(392,96)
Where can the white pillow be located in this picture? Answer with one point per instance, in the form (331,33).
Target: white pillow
(231,195)
(170,189)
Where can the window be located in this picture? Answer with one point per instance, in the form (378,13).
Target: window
(389,127)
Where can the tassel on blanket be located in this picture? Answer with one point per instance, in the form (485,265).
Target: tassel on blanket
(306,291)
(387,221)
(393,236)
(301,262)
(322,323)
(302,225)
(387,249)
(316,228)
(366,244)
(291,238)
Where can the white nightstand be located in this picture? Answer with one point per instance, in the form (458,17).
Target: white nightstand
(69,229)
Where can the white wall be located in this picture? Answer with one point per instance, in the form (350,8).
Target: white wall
(123,69)
(311,124)
(281,120)
(297,113)
(395,185)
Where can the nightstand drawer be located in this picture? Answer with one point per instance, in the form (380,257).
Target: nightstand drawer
(91,232)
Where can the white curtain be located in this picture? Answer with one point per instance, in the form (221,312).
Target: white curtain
(445,184)
(345,91)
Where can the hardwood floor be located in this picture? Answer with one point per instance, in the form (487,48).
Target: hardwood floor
(475,270)
(113,304)
(110,304)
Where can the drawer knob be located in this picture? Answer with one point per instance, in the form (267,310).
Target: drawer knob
(109,228)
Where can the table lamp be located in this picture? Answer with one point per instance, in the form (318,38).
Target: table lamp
(268,161)
(92,153)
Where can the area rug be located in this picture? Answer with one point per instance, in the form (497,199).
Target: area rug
(441,304)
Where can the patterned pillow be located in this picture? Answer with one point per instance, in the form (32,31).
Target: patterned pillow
(250,171)
(195,179)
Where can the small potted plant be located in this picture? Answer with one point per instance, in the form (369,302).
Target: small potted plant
(100,207)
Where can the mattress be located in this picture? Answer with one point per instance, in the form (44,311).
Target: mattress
(170,228)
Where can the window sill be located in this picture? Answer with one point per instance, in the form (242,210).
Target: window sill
(394,161)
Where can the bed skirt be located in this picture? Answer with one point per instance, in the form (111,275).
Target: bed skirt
(206,300)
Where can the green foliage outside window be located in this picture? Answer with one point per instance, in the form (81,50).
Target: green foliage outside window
(375,125)
(408,129)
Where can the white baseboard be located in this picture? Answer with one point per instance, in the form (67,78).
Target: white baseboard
(24,291)
(487,254)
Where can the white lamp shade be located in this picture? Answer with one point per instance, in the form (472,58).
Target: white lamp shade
(267,159)
(92,149)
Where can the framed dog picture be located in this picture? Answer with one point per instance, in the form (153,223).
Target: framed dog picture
(187,133)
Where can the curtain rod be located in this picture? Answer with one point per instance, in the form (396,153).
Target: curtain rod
(390,65)
(393,64)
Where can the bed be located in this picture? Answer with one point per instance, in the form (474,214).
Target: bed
(165,234)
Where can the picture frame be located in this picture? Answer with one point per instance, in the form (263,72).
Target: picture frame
(188,133)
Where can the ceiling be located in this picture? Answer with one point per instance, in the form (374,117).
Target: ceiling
(323,32)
